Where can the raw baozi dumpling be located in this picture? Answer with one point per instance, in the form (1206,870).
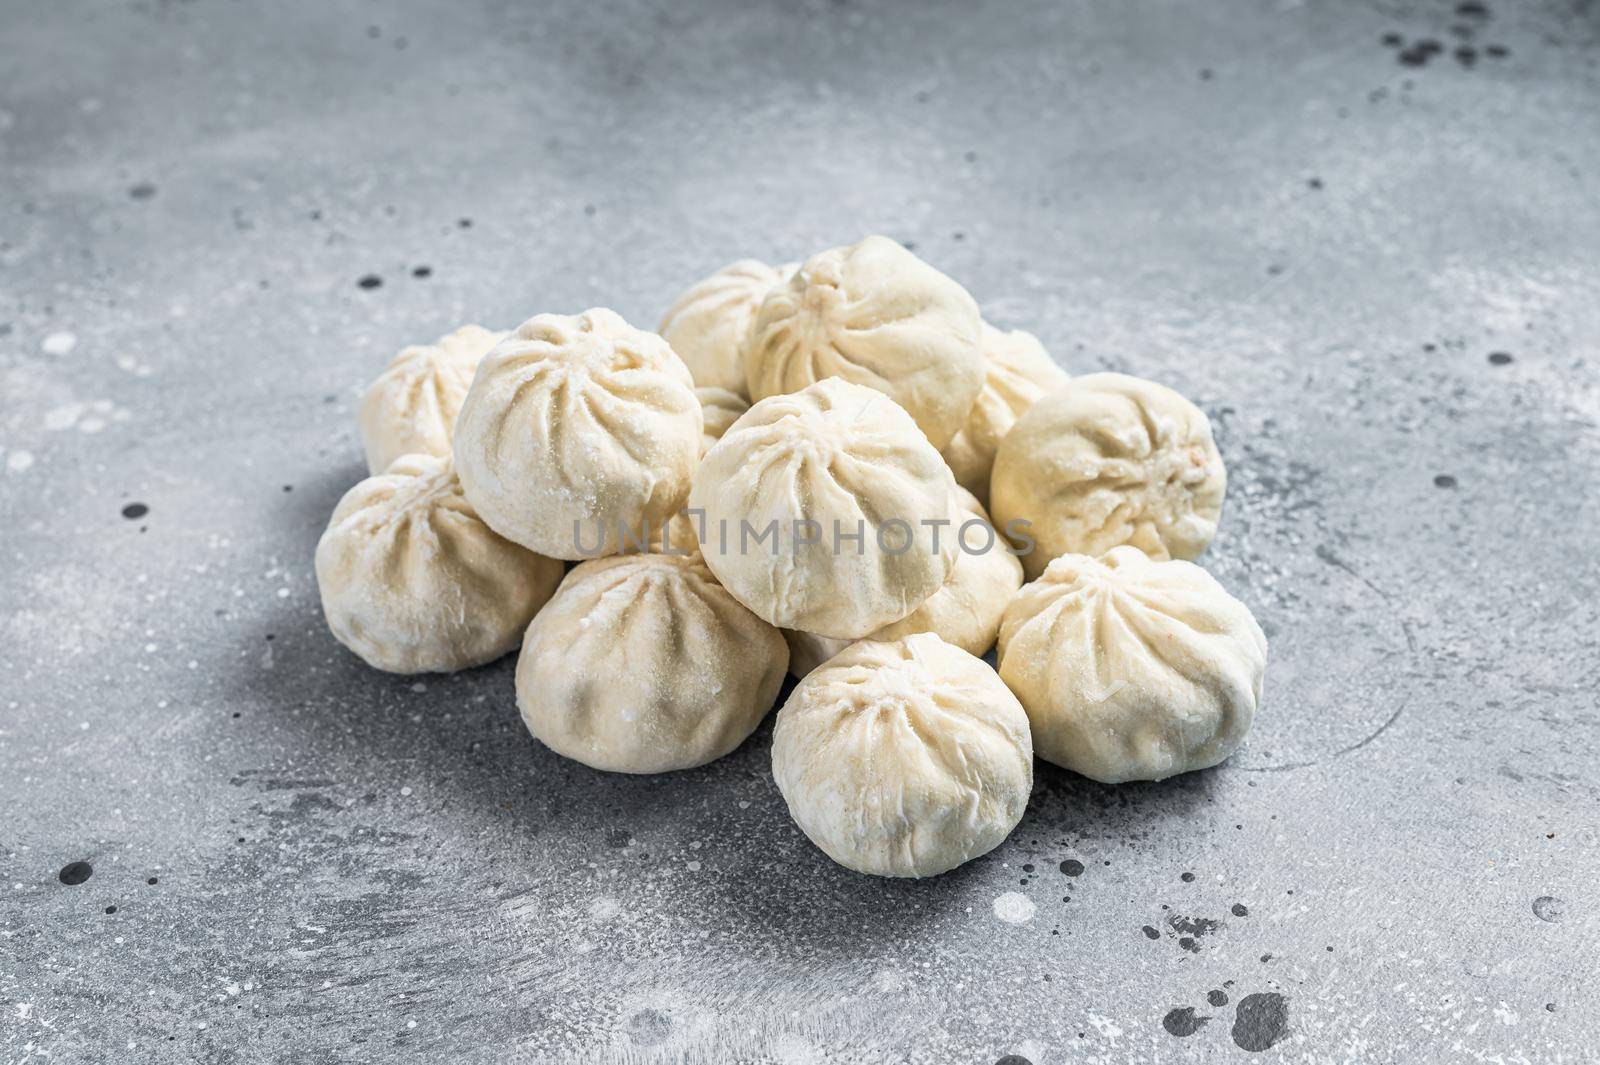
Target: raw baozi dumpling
(644,664)
(578,430)
(965,612)
(1132,669)
(413,581)
(411,408)
(852,464)
(904,758)
(719,409)
(875,315)
(1105,460)
(709,323)
(1018,372)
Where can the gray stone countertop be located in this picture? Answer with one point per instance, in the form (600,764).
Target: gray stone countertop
(1373,261)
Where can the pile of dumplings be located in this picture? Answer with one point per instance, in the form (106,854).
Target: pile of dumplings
(835,469)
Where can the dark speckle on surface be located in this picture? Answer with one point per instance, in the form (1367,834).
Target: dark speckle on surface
(1240,910)
(1187,878)
(1549,908)
(144,190)
(1500,358)
(1013,1059)
(422,271)
(369,281)
(1194,926)
(1260,1020)
(1418,53)
(1072,867)
(1150,932)
(74,873)
(1444,480)
(649,1028)
(1218,998)
(135,511)
(1183,1022)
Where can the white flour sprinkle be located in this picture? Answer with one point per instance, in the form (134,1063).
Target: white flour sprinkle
(63,417)
(1014,908)
(59,343)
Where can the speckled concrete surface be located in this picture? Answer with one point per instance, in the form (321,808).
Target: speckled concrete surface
(1373,262)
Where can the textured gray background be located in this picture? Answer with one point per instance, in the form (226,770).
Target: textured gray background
(1319,236)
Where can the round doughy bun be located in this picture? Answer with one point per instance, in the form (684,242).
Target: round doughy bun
(1132,669)
(1018,372)
(875,315)
(965,612)
(709,323)
(719,409)
(1106,460)
(904,758)
(577,431)
(411,408)
(413,581)
(849,461)
(645,664)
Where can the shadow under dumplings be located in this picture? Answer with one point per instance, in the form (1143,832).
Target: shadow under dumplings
(1065,802)
(309,505)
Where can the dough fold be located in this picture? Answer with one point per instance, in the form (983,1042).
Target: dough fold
(1130,668)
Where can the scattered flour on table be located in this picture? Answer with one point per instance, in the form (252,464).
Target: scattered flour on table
(1014,908)
(59,343)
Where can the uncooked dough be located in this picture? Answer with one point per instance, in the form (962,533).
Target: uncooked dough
(644,664)
(411,408)
(875,315)
(821,510)
(709,323)
(577,431)
(1130,668)
(904,758)
(1018,373)
(965,612)
(413,581)
(719,409)
(1110,459)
